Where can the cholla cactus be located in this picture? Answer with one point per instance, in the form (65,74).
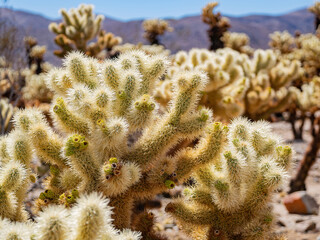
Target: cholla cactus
(308,50)
(315,9)
(302,47)
(307,98)
(10,79)
(35,54)
(89,219)
(268,92)
(80,26)
(307,101)
(227,79)
(231,199)
(282,41)
(217,25)
(238,85)
(104,45)
(237,41)
(148,49)
(154,28)
(96,107)
(6,114)
(36,88)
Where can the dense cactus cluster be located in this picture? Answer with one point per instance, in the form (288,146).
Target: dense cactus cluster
(121,124)
(80,26)
(97,106)
(305,92)
(232,195)
(302,47)
(238,85)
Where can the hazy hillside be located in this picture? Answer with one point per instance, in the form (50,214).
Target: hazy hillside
(189,31)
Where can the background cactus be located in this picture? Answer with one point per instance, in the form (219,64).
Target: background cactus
(315,9)
(35,54)
(154,28)
(36,89)
(231,199)
(6,114)
(238,85)
(303,48)
(270,79)
(307,102)
(217,25)
(282,41)
(237,41)
(148,49)
(80,26)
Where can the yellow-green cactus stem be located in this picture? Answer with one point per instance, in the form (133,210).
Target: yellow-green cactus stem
(75,143)
(169,184)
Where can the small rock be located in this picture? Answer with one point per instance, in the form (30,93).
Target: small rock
(306,226)
(301,203)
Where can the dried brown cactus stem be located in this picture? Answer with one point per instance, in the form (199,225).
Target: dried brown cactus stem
(297,123)
(298,182)
(217,26)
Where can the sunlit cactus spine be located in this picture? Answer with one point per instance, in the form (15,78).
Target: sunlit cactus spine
(154,28)
(232,195)
(218,25)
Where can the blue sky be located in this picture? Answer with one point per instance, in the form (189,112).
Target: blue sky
(137,9)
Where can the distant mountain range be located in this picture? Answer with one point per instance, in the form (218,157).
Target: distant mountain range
(188,32)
